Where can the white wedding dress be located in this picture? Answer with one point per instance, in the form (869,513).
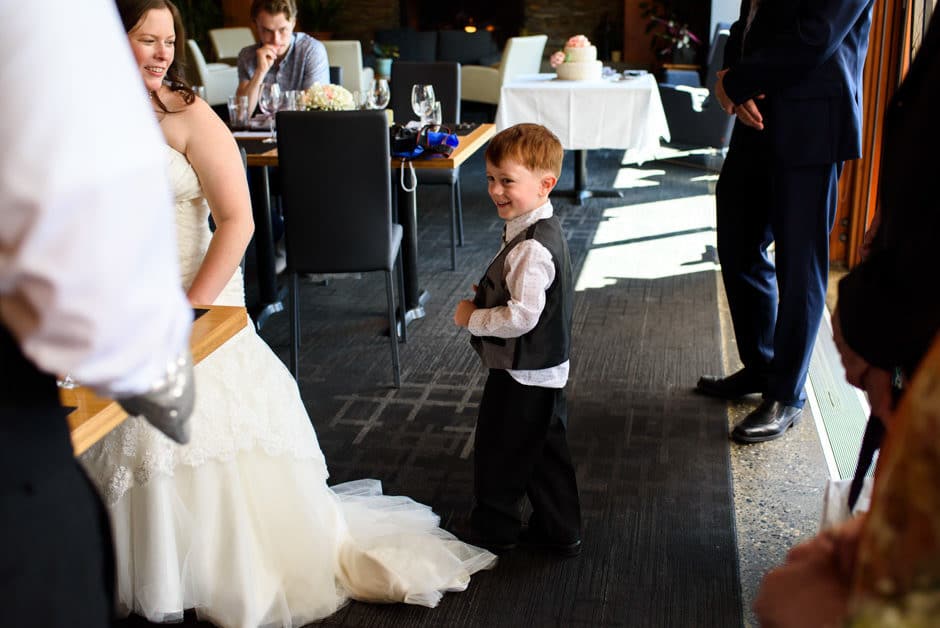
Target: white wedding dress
(240,523)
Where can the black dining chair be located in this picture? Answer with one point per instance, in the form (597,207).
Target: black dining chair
(336,75)
(332,227)
(445,77)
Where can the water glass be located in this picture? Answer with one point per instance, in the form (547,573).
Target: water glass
(238,112)
(422,100)
(434,118)
(288,100)
(379,94)
(270,103)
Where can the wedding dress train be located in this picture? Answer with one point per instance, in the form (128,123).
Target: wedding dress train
(240,523)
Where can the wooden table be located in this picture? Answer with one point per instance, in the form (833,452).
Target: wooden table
(95,416)
(271,300)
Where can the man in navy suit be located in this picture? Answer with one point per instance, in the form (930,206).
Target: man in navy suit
(793,78)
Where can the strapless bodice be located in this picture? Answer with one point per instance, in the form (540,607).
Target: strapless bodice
(192,226)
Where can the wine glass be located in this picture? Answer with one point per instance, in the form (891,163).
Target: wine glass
(380,94)
(422,99)
(270,102)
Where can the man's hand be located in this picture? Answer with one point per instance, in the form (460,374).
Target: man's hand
(747,112)
(464,309)
(721,95)
(266,55)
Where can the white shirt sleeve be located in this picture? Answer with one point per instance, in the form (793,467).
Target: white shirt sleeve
(89,282)
(529,273)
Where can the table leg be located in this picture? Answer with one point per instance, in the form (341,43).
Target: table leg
(580,193)
(269,297)
(407,211)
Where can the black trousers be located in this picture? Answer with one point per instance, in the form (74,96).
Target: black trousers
(521,449)
(56,557)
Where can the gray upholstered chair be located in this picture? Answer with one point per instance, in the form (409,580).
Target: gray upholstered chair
(338,228)
(445,77)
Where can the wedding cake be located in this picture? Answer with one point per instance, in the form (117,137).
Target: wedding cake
(578,62)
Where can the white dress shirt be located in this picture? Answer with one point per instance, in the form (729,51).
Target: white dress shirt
(89,283)
(529,273)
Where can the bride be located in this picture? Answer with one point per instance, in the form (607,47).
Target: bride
(240,523)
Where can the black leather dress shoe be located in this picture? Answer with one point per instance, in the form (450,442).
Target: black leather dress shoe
(731,387)
(770,420)
(565,549)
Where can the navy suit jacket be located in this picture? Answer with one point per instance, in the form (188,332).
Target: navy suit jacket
(807,57)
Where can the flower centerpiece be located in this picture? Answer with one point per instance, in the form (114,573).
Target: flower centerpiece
(328,97)
(671,38)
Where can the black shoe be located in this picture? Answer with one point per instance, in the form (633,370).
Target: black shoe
(497,547)
(770,420)
(731,387)
(566,549)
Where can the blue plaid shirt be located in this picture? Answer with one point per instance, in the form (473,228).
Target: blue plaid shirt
(304,64)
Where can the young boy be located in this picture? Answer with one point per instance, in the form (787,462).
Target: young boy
(520,321)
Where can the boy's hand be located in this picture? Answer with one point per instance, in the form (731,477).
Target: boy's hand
(464,309)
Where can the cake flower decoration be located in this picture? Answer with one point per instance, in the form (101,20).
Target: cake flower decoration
(557,59)
(578,41)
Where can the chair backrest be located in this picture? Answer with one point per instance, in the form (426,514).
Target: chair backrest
(228,42)
(336,75)
(478,48)
(336,188)
(347,54)
(443,75)
(522,55)
(716,54)
(197,62)
(412,45)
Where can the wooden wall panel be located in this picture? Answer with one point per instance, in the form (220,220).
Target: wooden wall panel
(858,188)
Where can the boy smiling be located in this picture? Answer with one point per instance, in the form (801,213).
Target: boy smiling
(520,325)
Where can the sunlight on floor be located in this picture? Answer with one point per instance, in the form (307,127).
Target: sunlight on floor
(636,178)
(651,241)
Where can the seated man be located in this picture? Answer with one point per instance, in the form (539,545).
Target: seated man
(292,60)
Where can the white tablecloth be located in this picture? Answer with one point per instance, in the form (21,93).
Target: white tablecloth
(624,114)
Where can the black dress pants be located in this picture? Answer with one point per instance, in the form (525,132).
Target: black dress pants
(56,556)
(521,449)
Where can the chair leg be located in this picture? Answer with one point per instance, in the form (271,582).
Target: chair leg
(401,296)
(459,212)
(453,228)
(392,334)
(294,325)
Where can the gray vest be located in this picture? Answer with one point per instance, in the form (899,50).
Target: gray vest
(548,343)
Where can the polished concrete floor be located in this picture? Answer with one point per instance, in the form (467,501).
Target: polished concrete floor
(778,485)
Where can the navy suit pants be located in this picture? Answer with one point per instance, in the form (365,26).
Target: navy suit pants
(777,300)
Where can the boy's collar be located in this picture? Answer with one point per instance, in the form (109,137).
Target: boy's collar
(520,223)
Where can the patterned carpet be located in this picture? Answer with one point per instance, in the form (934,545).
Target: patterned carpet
(652,458)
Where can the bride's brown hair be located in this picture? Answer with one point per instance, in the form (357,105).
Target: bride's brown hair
(132,12)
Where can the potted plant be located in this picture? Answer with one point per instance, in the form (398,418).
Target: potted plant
(384,54)
(320,17)
(671,38)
